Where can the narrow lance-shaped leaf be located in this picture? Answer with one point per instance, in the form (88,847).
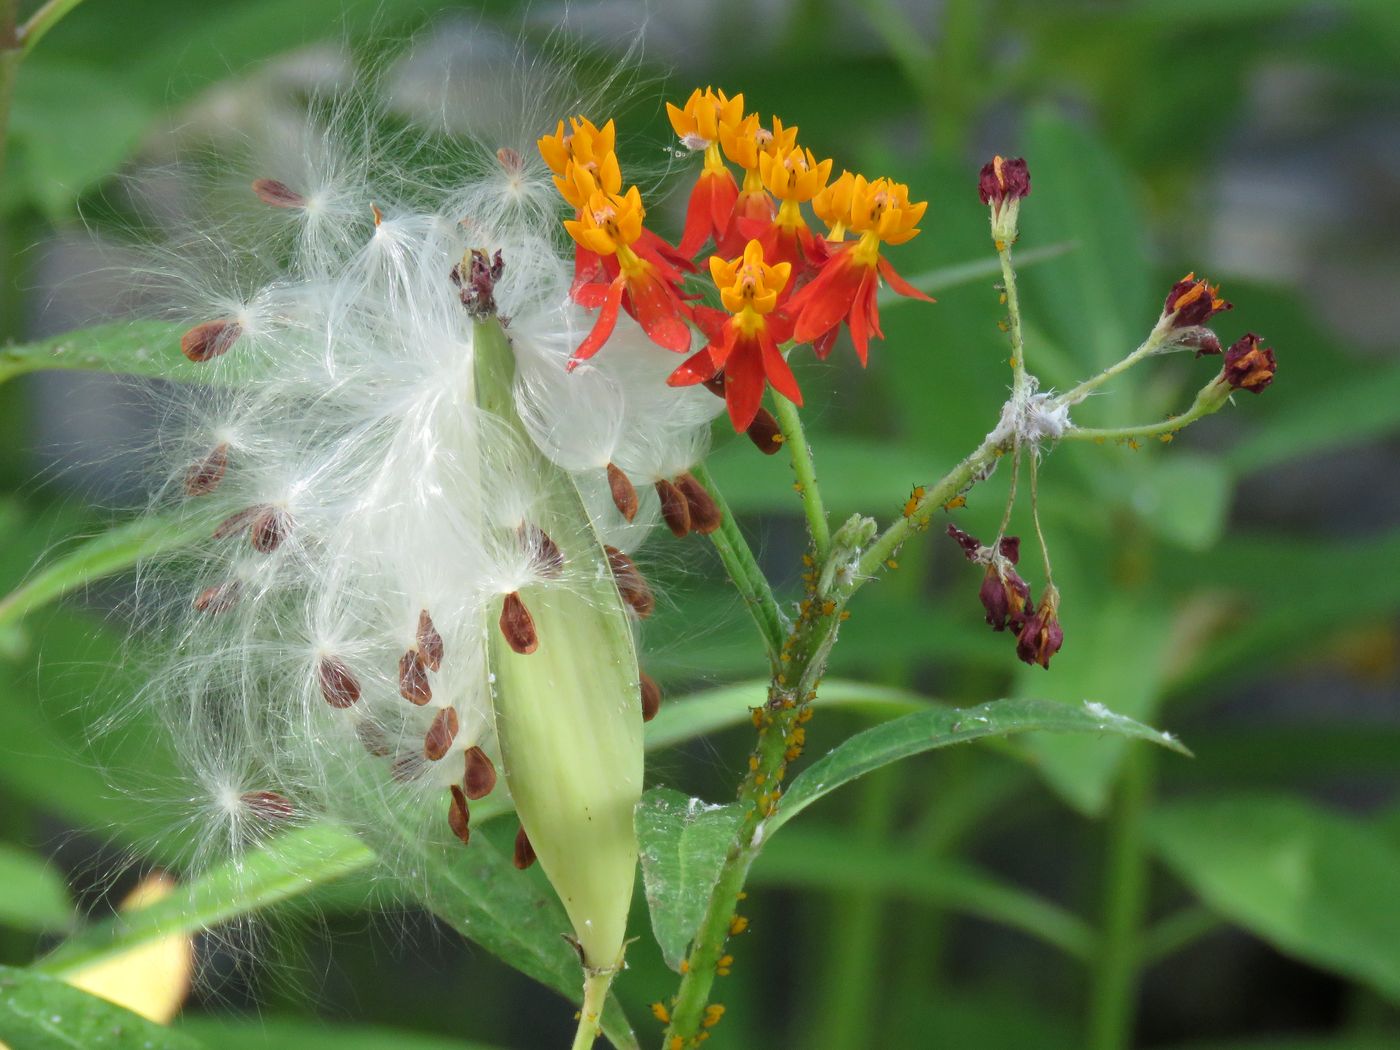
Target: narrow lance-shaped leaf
(40,1012)
(34,896)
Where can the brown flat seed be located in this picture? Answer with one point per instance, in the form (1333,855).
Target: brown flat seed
(269,529)
(459,816)
(206,341)
(481,773)
(268,806)
(705,515)
(675,508)
(219,598)
(429,641)
(510,160)
(631,584)
(373,739)
(548,558)
(407,768)
(440,734)
(764,433)
(518,625)
(651,697)
(278,194)
(624,493)
(338,685)
(524,852)
(203,477)
(237,522)
(413,678)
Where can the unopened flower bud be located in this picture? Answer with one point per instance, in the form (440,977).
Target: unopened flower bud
(1248,365)
(1041,636)
(1003,184)
(1192,302)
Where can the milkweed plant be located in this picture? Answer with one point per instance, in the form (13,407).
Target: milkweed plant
(429,413)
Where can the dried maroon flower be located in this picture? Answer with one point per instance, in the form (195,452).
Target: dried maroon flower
(970,544)
(206,341)
(1004,180)
(1205,342)
(1005,596)
(478,283)
(1042,636)
(1193,302)
(1248,365)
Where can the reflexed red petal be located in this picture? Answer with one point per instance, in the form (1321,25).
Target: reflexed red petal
(662,316)
(743,384)
(602,328)
(707,214)
(588,269)
(822,305)
(899,285)
(777,369)
(698,368)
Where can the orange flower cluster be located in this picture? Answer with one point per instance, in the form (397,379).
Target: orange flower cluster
(778,281)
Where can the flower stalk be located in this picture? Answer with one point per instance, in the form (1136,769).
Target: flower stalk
(805,471)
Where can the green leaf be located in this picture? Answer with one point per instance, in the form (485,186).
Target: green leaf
(289,865)
(137,348)
(99,557)
(1312,882)
(35,896)
(825,860)
(927,730)
(275,1033)
(1350,1041)
(952,275)
(683,842)
(39,1012)
(707,712)
(1114,647)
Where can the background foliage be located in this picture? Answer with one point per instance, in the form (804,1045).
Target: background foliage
(1238,588)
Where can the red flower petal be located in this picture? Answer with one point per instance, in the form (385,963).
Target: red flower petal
(697,368)
(653,302)
(778,371)
(602,328)
(743,384)
(899,285)
(822,304)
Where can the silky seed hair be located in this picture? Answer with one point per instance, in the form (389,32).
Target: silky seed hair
(358,525)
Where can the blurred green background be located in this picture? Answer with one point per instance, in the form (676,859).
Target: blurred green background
(1237,587)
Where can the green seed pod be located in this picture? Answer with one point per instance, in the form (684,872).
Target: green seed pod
(568,708)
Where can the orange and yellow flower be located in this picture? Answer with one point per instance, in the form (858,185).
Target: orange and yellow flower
(699,125)
(879,211)
(744,346)
(633,275)
(582,158)
(794,178)
(754,209)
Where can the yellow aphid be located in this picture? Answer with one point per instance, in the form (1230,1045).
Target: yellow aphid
(954,503)
(911,505)
(713,1013)
(659,1011)
(738,925)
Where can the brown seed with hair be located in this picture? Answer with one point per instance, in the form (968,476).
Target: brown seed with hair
(675,508)
(278,194)
(548,558)
(705,515)
(206,341)
(269,529)
(764,433)
(459,816)
(440,734)
(407,768)
(268,806)
(204,476)
(481,773)
(631,584)
(624,493)
(374,739)
(651,697)
(413,678)
(236,522)
(510,160)
(524,852)
(429,641)
(338,685)
(219,598)
(518,625)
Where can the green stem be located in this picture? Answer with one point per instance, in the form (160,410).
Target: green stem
(1176,931)
(742,567)
(1153,344)
(42,20)
(590,1015)
(1013,310)
(790,423)
(1211,398)
(1112,1002)
(10,55)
